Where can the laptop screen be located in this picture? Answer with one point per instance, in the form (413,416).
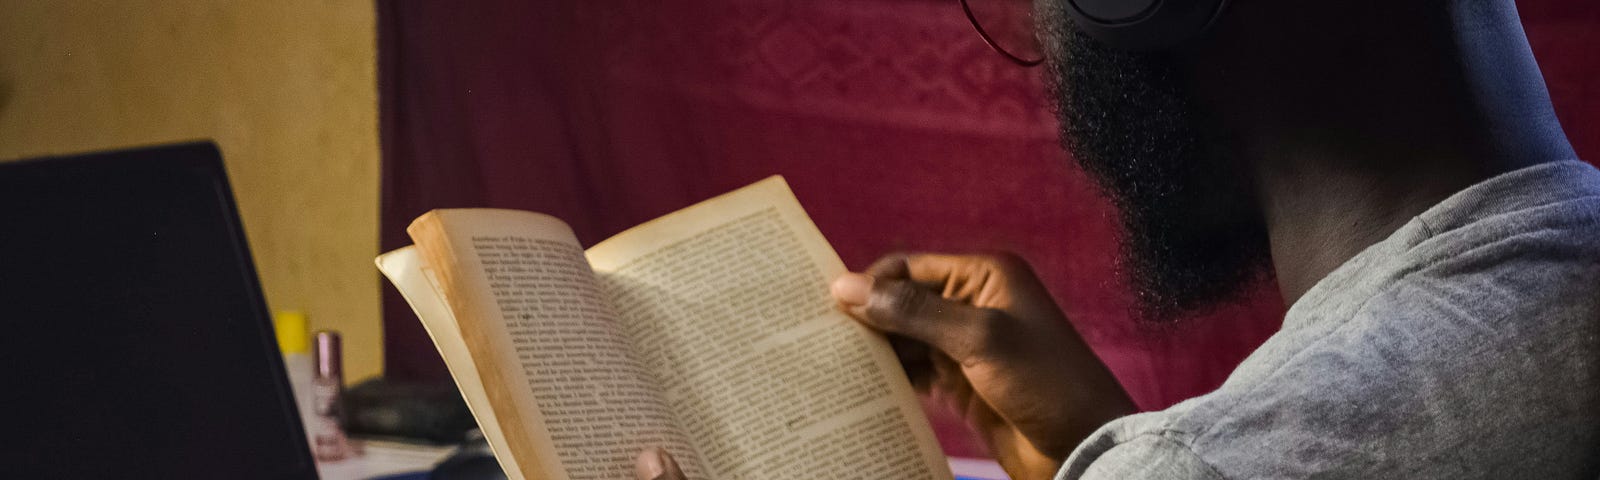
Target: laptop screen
(134,341)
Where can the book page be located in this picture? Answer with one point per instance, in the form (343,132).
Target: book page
(572,400)
(405,270)
(728,302)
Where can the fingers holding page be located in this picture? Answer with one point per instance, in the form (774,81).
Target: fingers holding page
(901,307)
(656,464)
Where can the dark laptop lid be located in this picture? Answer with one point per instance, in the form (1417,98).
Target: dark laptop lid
(134,341)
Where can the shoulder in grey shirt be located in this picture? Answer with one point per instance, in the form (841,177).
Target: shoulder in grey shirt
(1466,345)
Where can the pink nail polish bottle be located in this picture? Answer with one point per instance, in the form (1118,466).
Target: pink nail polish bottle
(329,442)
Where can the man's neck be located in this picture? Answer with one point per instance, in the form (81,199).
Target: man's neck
(1319,214)
(1349,138)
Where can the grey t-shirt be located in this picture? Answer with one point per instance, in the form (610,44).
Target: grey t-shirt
(1466,345)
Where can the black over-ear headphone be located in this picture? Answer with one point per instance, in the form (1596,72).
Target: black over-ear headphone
(1144,25)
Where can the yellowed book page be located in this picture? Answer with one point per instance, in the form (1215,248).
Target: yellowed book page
(404,268)
(572,399)
(728,302)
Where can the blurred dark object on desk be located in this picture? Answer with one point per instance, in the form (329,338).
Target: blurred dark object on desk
(473,460)
(429,411)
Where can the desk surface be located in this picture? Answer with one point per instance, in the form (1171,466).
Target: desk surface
(381,459)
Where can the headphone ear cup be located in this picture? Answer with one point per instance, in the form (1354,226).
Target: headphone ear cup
(1144,26)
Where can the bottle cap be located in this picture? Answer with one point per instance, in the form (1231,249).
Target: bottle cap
(294,332)
(328,355)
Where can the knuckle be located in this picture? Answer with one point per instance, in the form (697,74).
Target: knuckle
(898,299)
(988,323)
(1008,262)
(987,331)
(888,265)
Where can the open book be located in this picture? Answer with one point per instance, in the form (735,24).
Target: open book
(709,332)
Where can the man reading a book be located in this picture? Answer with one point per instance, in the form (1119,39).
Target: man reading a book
(1395,166)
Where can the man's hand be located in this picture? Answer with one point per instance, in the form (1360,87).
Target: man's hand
(983,333)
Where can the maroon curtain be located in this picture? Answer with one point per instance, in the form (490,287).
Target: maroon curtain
(895,126)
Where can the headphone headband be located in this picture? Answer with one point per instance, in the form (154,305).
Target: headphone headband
(1144,25)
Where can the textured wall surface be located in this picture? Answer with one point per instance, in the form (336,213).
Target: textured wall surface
(286,88)
(897,128)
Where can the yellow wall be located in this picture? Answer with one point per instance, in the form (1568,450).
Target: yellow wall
(287,88)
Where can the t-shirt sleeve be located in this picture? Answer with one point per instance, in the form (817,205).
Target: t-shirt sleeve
(1139,446)
(1145,456)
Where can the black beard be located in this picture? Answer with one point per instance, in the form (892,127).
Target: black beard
(1193,240)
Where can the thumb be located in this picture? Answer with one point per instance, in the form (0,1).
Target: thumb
(656,464)
(901,307)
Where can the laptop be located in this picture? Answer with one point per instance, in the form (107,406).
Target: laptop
(134,340)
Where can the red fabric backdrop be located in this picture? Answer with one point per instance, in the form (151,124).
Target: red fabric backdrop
(895,126)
